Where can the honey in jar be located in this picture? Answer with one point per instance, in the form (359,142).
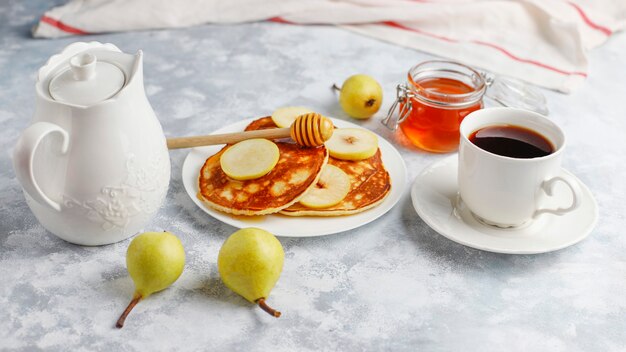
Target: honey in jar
(436,98)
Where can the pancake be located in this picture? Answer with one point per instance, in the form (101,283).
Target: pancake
(370,183)
(298,169)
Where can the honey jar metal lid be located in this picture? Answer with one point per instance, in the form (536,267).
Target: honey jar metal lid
(515,94)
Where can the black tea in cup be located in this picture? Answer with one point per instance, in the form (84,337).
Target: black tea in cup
(512,141)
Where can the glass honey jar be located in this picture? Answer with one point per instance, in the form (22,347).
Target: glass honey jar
(436,98)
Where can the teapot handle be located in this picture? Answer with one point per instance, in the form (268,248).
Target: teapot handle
(24,155)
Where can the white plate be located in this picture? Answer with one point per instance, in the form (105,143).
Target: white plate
(435,198)
(305,226)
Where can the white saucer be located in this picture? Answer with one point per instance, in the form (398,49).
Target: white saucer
(435,198)
(303,226)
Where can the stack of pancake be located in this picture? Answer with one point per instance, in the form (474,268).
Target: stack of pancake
(297,171)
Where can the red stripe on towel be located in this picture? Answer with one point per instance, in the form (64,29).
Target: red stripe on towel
(279,20)
(588,21)
(493,46)
(62,26)
(528,61)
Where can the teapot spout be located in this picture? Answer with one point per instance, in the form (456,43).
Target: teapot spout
(132,65)
(136,71)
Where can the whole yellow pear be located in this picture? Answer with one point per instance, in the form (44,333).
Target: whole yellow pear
(360,96)
(154,261)
(250,262)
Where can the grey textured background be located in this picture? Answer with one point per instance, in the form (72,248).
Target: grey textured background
(392,285)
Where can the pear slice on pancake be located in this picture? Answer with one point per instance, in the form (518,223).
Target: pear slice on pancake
(284,117)
(330,189)
(250,159)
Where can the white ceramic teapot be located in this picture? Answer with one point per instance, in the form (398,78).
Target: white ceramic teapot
(94,164)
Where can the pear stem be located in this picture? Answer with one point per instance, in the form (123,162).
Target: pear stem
(335,87)
(120,322)
(271,311)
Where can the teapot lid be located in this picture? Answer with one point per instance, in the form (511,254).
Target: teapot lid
(86,81)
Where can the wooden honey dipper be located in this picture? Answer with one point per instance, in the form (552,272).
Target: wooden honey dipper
(309,130)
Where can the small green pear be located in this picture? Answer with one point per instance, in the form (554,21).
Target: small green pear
(250,262)
(360,96)
(154,260)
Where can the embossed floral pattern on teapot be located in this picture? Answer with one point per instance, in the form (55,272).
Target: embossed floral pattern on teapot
(94,163)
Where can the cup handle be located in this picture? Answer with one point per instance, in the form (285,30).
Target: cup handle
(24,154)
(548,187)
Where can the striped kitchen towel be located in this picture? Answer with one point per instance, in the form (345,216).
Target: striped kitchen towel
(541,42)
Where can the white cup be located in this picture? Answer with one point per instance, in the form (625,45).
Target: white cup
(509,192)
